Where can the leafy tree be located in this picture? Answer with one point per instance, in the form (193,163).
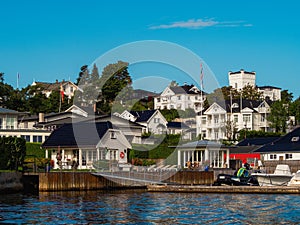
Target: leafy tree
(95,74)
(114,78)
(5,91)
(250,93)
(279,116)
(13,151)
(295,110)
(286,97)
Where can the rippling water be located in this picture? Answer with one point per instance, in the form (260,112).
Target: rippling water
(139,207)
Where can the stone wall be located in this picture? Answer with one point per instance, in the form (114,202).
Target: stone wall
(10,182)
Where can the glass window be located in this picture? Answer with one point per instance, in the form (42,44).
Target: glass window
(288,156)
(36,138)
(236,118)
(0,123)
(26,137)
(246,118)
(10,123)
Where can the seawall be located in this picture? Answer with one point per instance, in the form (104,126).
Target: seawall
(10,182)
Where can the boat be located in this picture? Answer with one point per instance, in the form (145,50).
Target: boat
(281,176)
(241,177)
(295,180)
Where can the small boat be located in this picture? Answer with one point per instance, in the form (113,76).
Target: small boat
(281,176)
(295,181)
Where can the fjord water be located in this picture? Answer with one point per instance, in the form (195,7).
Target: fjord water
(140,207)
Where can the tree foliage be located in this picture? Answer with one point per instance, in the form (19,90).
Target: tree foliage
(12,153)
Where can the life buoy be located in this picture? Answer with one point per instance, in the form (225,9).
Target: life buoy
(122,155)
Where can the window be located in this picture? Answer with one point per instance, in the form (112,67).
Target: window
(179,97)
(236,118)
(203,120)
(288,156)
(295,139)
(156,120)
(246,118)
(262,118)
(26,137)
(36,138)
(216,119)
(91,155)
(71,89)
(10,123)
(273,156)
(158,99)
(0,123)
(113,135)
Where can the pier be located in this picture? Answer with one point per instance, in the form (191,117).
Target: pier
(225,189)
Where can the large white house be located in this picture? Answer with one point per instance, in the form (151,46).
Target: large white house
(180,97)
(68,87)
(238,80)
(221,119)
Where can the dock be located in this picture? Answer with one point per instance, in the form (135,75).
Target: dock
(224,189)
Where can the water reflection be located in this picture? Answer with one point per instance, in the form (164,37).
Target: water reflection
(140,207)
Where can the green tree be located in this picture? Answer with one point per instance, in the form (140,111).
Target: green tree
(295,110)
(250,93)
(114,78)
(279,116)
(6,91)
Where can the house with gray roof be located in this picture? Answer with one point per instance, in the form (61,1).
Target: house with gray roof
(86,143)
(153,121)
(283,150)
(180,97)
(221,119)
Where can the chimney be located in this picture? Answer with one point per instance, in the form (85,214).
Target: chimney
(41,117)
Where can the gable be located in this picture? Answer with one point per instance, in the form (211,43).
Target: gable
(247,110)
(77,110)
(215,109)
(167,92)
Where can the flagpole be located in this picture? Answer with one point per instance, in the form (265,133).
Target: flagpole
(201,95)
(18,76)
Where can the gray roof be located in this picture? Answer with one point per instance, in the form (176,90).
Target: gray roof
(202,144)
(8,111)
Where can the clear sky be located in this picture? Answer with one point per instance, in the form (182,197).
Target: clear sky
(48,40)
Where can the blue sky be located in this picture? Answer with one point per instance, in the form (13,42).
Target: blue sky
(48,40)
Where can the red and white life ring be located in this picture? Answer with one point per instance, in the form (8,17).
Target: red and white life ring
(122,155)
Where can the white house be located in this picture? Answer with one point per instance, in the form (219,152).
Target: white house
(87,143)
(285,150)
(241,78)
(152,120)
(69,87)
(220,119)
(180,97)
(10,127)
(132,130)
(273,93)
(238,80)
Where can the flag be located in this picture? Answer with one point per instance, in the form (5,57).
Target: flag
(201,76)
(62,94)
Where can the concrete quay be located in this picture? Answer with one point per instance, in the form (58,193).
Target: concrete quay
(224,189)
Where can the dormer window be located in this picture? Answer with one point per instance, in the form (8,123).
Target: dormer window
(113,135)
(295,139)
(235,105)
